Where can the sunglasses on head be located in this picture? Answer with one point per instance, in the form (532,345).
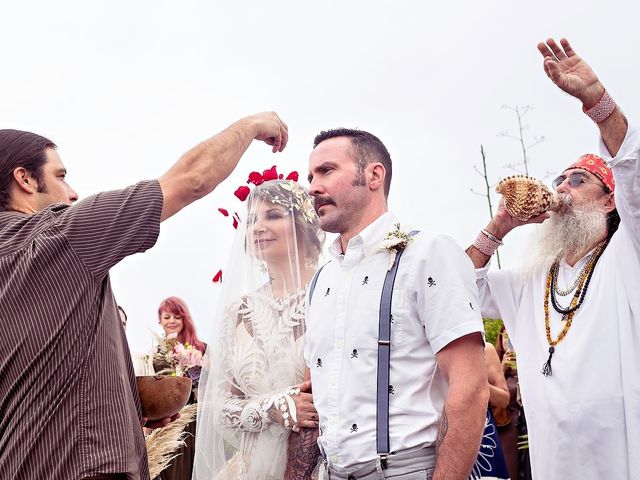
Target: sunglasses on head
(575,180)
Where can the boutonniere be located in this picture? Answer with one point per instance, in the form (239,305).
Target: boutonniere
(393,242)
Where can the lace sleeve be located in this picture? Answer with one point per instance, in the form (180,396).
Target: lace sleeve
(244,414)
(255,414)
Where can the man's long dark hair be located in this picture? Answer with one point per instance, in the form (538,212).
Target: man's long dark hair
(20,149)
(613,222)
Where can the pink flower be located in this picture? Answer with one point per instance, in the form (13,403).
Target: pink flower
(187,357)
(179,350)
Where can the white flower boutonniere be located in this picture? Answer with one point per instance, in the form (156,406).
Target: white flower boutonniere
(393,242)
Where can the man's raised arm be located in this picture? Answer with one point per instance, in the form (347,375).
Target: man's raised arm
(501,224)
(574,76)
(203,167)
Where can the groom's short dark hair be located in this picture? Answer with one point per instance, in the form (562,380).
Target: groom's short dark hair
(367,148)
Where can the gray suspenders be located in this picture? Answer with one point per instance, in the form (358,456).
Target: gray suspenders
(384,356)
(314,280)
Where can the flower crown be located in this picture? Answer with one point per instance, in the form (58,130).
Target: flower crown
(298,200)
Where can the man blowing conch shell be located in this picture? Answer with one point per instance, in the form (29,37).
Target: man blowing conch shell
(573,314)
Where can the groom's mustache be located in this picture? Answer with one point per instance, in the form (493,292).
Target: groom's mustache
(321,200)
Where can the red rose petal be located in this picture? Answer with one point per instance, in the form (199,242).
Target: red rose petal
(224,211)
(255,178)
(293,176)
(218,277)
(235,223)
(242,193)
(271,174)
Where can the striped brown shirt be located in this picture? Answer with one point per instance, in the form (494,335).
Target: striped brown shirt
(69,404)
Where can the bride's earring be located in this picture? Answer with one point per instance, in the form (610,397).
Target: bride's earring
(265,269)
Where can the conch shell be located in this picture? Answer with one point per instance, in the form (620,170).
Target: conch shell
(526,197)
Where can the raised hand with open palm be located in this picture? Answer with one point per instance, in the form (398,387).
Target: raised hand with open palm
(570,72)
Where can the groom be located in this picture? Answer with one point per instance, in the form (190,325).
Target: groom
(437,388)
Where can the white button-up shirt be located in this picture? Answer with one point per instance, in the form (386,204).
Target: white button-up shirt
(435,301)
(584,419)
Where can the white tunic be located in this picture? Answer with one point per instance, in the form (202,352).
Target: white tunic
(584,419)
(434,302)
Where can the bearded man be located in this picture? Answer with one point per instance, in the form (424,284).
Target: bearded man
(573,314)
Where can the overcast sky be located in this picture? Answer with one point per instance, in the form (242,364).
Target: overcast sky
(125,87)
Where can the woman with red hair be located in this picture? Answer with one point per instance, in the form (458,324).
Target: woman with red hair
(176,321)
(174,316)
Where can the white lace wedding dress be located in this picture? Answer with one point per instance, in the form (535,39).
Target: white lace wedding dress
(261,356)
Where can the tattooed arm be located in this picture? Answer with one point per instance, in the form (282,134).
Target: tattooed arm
(463,418)
(443,428)
(303,453)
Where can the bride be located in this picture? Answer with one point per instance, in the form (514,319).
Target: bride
(252,390)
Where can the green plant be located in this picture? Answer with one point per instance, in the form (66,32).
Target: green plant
(492,328)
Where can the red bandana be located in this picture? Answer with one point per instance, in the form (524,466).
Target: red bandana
(596,165)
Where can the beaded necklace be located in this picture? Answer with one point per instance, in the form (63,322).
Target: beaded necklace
(578,297)
(574,285)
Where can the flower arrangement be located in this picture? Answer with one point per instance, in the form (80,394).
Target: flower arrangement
(394,241)
(175,358)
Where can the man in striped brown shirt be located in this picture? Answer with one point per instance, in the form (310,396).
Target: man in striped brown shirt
(69,405)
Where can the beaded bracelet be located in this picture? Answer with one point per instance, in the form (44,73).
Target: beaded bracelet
(492,237)
(601,110)
(486,243)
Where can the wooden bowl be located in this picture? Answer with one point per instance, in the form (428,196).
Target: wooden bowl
(163,396)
